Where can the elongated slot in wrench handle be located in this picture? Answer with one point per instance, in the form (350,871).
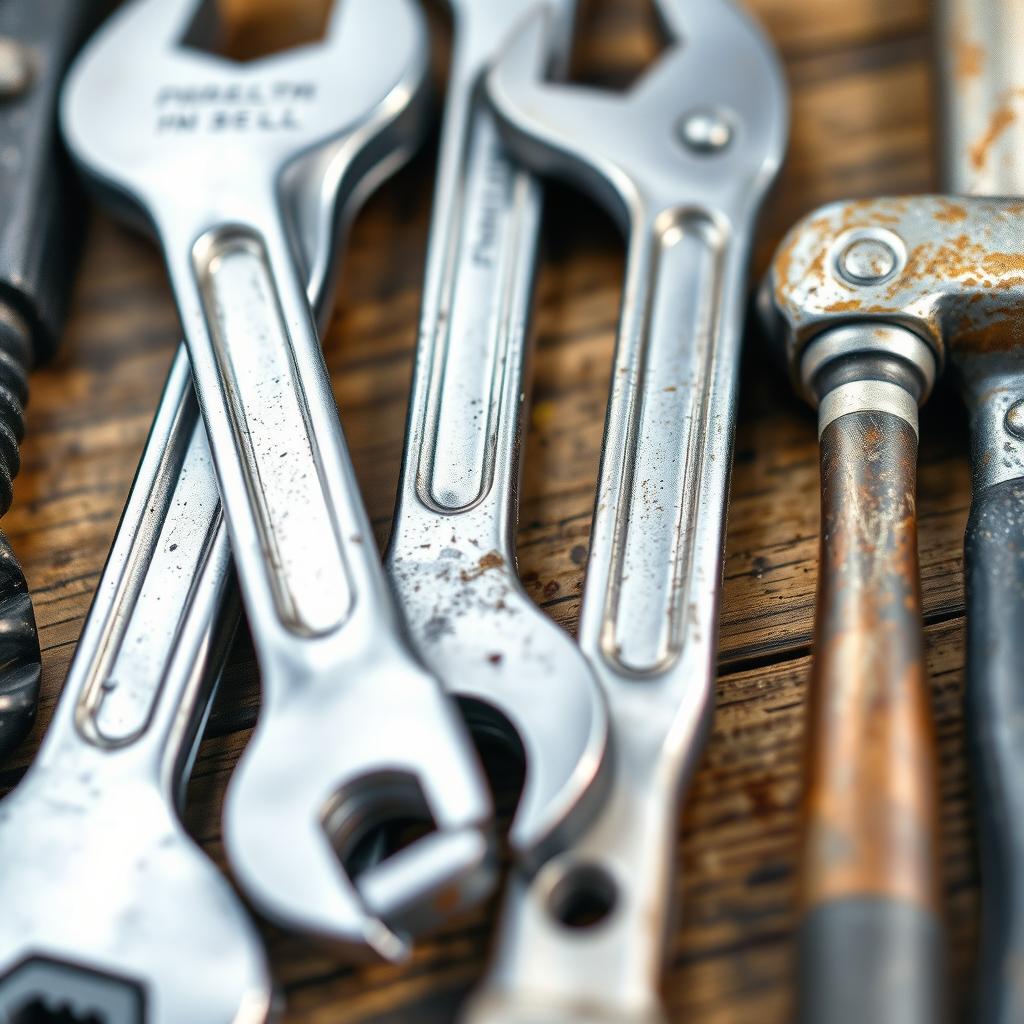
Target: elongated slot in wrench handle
(870,935)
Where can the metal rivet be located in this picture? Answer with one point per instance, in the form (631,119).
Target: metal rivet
(1015,419)
(867,260)
(15,68)
(705,131)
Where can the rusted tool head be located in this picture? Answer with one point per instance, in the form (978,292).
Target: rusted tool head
(919,277)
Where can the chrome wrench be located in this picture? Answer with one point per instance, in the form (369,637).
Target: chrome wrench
(352,729)
(683,160)
(110,910)
(452,552)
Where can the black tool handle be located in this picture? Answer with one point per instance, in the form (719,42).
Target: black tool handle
(994,555)
(41,221)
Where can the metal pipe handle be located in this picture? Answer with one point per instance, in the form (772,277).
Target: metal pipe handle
(870,936)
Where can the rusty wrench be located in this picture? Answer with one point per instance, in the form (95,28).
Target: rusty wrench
(683,161)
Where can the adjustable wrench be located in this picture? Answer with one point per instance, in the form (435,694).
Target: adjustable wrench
(41,227)
(110,910)
(353,730)
(452,552)
(682,160)
(982,50)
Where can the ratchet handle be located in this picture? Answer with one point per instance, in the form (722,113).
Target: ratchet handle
(870,937)
(994,556)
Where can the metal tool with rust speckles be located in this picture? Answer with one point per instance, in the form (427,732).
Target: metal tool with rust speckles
(41,220)
(982,43)
(872,297)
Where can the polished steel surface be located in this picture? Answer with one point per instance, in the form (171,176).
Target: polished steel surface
(206,147)
(452,553)
(683,160)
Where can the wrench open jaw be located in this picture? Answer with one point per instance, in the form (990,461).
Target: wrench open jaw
(451,558)
(354,732)
(683,160)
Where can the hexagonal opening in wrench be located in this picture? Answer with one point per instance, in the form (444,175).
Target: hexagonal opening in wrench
(584,897)
(375,817)
(43,991)
(248,30)
(601,59)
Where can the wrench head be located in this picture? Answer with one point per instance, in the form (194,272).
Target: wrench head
(140,105)
(325,771)
(476,627)
(694,123)
(96,873)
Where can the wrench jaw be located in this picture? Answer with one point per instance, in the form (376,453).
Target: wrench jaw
(630,150)
(499,651)
(294,822)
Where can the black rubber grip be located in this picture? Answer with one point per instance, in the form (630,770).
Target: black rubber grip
(871,961)
(994,555)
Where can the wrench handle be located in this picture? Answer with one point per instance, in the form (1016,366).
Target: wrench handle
(995,713)
(870,936)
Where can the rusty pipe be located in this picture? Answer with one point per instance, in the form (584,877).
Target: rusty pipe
(870,935)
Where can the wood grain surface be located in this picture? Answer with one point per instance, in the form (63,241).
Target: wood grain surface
(862,125)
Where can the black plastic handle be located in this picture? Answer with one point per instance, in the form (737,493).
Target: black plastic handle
(41,227)
(994,554)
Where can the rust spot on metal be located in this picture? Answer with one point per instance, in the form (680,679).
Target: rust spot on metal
(1004,262)
(950,213)
(1002,117)
(871,824)
(492,560)
(969,59)
(849,306)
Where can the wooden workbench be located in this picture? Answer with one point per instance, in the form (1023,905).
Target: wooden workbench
(862,125)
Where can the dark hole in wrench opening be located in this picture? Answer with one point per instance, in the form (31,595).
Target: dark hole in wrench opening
(584,897)
(44,991)
(617,43)
(501,752)
(247,30)
(36,1013)
(375,817)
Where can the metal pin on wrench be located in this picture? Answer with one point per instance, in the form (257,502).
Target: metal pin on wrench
(982,54)
(683,160)
(353,730)
(111,911)
(452,552)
